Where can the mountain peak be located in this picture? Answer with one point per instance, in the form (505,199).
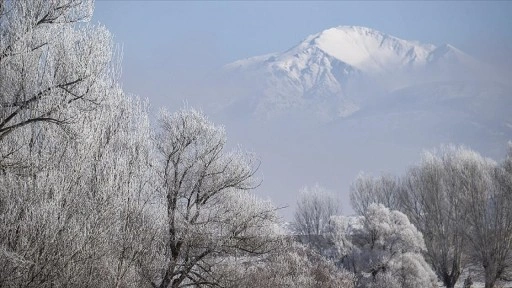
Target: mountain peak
(363,49)
(361,30)
(369,50)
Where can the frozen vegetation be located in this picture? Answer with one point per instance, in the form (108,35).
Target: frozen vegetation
(92,195)
(452,210)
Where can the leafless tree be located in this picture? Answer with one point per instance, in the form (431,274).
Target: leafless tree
(432,200)
(461,203)
(366,190)
(71,165)
(50,67)
(487,191)
(81,211)
(209,212)
(315,207)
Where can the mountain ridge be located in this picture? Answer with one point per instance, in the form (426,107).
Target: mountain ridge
(355,45)
(323,74)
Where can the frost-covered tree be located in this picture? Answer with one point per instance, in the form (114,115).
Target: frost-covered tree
(74,152)
(488,206)
(209,213)
(432,198)
(51,68)
(315,207)
(366,190)
(461,203)
(507,163)
(76,211)
(384,250)
(459,200)
(339,234)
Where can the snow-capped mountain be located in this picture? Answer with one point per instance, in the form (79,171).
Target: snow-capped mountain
(326,74)
(351,99)
(360,48)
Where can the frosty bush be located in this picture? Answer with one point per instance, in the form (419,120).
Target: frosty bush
(383,250)
(294,265)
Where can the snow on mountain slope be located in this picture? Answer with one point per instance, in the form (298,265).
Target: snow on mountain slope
(361,48)
(371,51)
(332,73)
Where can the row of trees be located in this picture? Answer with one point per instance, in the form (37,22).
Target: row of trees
(92,196)
(459,202)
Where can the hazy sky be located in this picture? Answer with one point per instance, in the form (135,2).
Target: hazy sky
(169,44)
(171,47)
(234,30)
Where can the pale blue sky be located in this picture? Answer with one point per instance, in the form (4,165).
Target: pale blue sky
(168,44)
(242,29)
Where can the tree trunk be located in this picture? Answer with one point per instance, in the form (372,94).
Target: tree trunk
(449,281)
(490,283)
(490,275)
